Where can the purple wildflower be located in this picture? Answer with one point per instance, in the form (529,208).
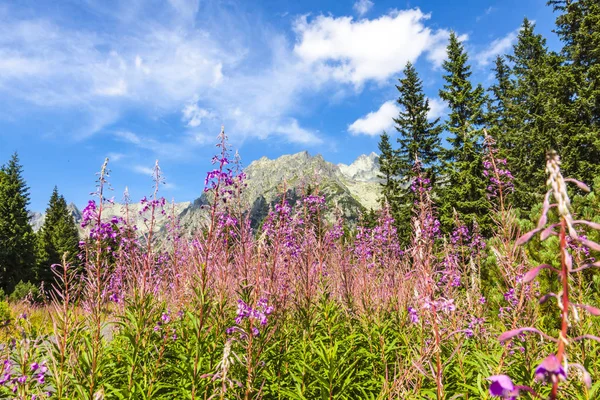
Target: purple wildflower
(412,315)
(502,386)
(549,370)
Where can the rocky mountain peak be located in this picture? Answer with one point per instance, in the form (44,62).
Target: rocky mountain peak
(364,169)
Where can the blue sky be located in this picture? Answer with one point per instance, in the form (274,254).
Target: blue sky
(143,80)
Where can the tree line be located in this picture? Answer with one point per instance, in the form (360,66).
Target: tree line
(27,256)
(540,100)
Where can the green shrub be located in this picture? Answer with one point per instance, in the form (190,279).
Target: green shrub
(4,313)
(24,289)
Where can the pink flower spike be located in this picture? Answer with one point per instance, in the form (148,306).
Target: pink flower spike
(547,232)
(592,245)
(532,273)
(592,310)
(512,333)
(579,184)
(527,237)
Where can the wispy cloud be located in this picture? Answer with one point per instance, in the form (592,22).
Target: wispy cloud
(175,60)
(141,169)
(194,114)
(497,47)
(487,12)
(374,123)
(115,157)
(361,7)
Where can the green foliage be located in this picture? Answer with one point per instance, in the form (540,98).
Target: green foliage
(17,253)
(5,314)
(24,290)
(418,141)
(578,83)
(58,237)
(463,185)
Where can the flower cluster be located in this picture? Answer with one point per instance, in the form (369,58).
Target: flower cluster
(314,203)
(164,326)
(495,169)
(257,317)
(152,204)
(13,377)
(500,177)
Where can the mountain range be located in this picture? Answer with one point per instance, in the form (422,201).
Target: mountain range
(349,190)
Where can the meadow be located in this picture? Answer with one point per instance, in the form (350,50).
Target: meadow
(306,308)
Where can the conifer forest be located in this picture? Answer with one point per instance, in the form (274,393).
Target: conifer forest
(477,278)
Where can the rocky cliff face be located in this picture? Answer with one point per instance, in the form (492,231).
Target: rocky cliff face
(348,189)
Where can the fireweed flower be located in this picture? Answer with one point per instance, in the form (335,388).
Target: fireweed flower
(502,386)
(550,370)
(258,314)
(412,315)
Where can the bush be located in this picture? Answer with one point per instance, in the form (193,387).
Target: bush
(4,313)
(23,290)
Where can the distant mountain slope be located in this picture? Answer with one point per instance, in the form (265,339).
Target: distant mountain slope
(349,189)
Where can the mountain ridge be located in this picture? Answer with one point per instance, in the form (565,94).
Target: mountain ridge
(348,189)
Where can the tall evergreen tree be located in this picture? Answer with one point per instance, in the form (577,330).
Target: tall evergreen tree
(535,113)
(464,186)
(17,240)
(388,169)
(57,236)
(578,79)
(500,105)
(418,139)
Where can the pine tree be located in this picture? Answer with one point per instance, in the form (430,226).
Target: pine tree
(500,106)
(464,186)
(388,169)
(535,112)
(578,80)
(57,236)
(419,139)
(17,240)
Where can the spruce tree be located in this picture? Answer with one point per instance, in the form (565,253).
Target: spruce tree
(17,240)
(418,139)
(388,169)
(57,236)
(463,187)
(499,108)
(535,111)
(578,80)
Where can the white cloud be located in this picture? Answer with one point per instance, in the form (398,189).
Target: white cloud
(128,137)
(374,123)
(487,12)
(496,47)
(437,108)
(297,134)
(141,169)
(351,51)
(193,114)
(246,75)
(116,157)
(361,7)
